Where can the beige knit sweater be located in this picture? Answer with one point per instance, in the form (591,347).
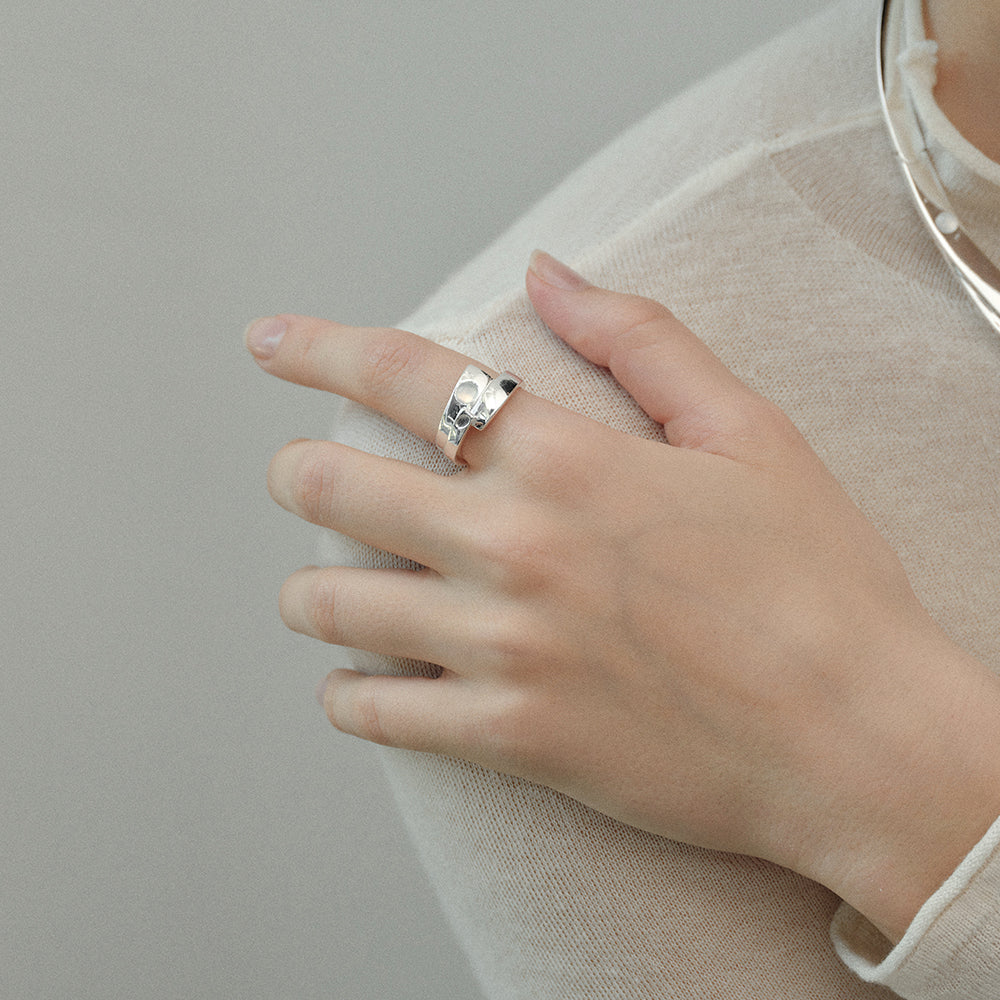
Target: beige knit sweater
(765,208)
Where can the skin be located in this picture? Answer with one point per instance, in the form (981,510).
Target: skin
(968,71)
(729,623)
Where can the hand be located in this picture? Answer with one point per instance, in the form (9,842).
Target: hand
(703,638)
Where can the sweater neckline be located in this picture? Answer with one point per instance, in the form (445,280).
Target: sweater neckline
(970,179)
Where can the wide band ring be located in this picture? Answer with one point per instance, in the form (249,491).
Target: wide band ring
(475,401)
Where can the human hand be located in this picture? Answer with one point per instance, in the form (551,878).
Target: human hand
(703,638)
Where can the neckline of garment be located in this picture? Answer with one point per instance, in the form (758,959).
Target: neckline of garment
(976,273)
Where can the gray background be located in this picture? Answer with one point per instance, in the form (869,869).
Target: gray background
(178,818)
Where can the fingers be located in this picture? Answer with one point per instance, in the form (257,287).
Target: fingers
(669,372)
(401,613)
(397,373)
(405,377)
(381,502)
(417,713)
(448,715)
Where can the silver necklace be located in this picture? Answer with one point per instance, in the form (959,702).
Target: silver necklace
(976,273)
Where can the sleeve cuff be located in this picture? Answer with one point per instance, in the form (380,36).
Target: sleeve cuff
(951,951)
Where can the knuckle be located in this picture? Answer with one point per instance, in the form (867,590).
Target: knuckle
(563,474)
(520,558)
(645,329)
(505,642)
(313,336)
(755,423)
(366,713)
(644,332)
(390,357)
(507,730)
(314,489)
(778,424)
(324,607)
(555,464)
(354,706)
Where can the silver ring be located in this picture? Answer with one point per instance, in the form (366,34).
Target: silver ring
(475,401)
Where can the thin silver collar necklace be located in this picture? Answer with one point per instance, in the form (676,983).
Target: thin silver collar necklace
(977,274)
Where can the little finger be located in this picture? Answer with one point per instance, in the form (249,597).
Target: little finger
(432,715)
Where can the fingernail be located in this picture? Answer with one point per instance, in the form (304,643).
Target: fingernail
(321,691)
(556,273)
(264,335)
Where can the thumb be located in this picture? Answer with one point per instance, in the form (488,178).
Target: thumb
(669,372)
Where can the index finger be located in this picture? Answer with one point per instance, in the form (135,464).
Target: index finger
(406,377)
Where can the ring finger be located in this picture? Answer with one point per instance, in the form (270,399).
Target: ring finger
(399,613)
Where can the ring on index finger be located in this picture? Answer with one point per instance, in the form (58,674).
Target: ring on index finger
(475,401)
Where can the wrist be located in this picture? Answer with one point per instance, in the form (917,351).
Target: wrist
(924,787)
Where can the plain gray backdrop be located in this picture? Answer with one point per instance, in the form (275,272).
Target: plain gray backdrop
(178,818)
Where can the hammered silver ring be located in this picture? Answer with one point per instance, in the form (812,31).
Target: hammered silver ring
(475,401)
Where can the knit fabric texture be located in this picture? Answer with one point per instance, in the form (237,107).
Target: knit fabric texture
(764,207)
